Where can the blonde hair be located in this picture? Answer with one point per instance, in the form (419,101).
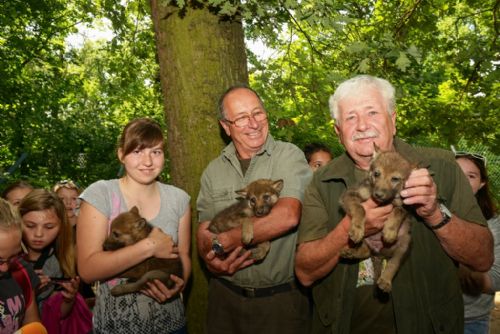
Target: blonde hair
(66,184)
(41,199)
(9,216)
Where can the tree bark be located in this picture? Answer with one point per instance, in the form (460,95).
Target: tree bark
(200,56)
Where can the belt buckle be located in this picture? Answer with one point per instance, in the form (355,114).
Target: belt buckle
(249,292)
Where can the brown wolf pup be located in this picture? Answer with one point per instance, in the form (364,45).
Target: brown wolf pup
(258,198)
(387,175)
(127,229)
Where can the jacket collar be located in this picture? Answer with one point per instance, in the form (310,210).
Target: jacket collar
(343,166)
(230,150)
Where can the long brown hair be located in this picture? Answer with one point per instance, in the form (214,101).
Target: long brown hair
(41,199)
(483,195)
(140,133)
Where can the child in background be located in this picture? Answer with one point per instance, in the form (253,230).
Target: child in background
(68,192)
(317,155)
(48,237)
(16,191)
(479,288)
(17,296)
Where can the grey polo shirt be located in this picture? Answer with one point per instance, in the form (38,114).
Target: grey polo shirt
(223,176)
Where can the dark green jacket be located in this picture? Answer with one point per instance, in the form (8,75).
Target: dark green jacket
(426,292)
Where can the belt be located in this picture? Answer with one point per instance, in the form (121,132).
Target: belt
(259,292)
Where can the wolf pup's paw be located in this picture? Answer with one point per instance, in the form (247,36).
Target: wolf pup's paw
(247,232)
(384,284)
(347,253)
(390,235)
(356,234)
(260,251)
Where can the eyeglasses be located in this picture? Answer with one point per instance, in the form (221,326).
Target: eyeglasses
(243,121)
(11,259)
(464,154)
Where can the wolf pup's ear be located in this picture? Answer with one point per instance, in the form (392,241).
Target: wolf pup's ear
(140,223)
(278,185)
(242,192)
(134,210)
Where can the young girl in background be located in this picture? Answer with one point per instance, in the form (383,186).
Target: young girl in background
(48,237)
(68,192)
(479,288)
(157,309)
(15,192)
(17,296)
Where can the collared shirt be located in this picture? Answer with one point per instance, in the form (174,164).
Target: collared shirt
(426,293)
(223,176)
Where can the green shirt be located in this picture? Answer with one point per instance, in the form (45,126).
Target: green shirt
(223,176)
(426,292)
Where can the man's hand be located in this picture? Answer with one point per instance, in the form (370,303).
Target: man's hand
(233,260)
(230,264)
(421,192)
(375,216)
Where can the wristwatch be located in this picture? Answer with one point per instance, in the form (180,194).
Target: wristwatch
(217,246)
(446,214)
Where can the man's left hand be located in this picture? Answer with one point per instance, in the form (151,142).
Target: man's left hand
(421,192)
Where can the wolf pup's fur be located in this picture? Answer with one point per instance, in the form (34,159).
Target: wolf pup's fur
(258,198)
(387,175)
(127,229)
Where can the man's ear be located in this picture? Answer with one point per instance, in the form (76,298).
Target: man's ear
(393,119)
(225,126)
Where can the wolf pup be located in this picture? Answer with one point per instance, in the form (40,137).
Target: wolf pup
(386,178)
(258,198)
(127,229)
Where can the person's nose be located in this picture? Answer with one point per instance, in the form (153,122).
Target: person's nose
(39,231)
(252,123)
(146,159)
(362,124)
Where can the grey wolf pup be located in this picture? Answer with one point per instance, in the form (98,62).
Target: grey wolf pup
(257,200)
(127,229)
(387,175)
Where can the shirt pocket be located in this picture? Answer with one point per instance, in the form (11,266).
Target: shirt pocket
(223,197)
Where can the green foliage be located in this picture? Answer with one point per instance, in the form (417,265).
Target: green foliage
(441,56)
(66,107)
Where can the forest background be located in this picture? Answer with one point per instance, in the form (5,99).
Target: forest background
(64,98)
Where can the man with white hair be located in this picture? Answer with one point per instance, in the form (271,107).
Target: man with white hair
(447,228)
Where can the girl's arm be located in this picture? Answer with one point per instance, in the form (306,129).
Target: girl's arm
(70,289)
(31,314)
(157,289)
(185,243)
(96,264)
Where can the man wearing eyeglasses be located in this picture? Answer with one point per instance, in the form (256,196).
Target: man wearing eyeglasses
(244,296)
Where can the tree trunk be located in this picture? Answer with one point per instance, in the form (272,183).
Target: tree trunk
(200,56)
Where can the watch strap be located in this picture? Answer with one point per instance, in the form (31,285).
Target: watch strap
(446,218)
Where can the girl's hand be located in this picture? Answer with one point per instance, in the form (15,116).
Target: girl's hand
(163,244)
(70,289)
(159,292)
(44,279)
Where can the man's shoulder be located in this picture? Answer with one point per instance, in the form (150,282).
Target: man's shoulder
(434,153)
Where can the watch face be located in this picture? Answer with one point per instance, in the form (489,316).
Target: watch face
(445,211)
